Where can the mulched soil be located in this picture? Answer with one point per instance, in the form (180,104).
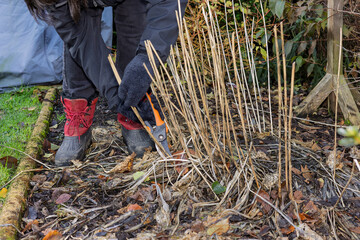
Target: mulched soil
(99,198)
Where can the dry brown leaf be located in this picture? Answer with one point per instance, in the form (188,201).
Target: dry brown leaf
(265,206)
(310,208)
(124,166)
(63,198)
(288,230)
(197,227)
(305,217)
(331,159)
(296,171)
(304,144)
(306,174)
(134,207)
(53,235)
(219,227)
(315,147)
(9,161)
(298,196)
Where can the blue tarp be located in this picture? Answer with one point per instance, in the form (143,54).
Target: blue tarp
(30,51)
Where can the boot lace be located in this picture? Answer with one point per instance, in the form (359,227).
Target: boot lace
(76,119)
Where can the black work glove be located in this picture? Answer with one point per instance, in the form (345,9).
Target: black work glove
(136,81)
(145,110)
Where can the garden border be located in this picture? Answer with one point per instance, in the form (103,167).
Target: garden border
(15,203)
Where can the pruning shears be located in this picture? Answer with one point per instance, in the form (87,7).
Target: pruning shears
(159,130)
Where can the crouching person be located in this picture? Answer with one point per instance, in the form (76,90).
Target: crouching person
(87,72)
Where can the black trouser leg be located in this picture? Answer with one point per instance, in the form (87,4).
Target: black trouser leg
(87,49)
(130,23)
(75,82)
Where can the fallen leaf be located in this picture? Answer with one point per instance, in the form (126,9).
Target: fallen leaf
(331,159)
(305,217)
(29,225)
(46,145)
(355,230)
(310,208)
(53,235)
(3,193)
(9,162)
(134,207)
(63,198)
(54,147)
(31,108)
(219,227)
(315,147)
(124,166)
(218,188)
(298,196)
(288,230)
(139,174)
(198,226)
(48,155)
(54,126)
(306,174)
(265,206)
(296,171)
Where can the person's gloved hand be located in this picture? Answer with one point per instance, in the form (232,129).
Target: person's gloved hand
(145,110)
(136,81)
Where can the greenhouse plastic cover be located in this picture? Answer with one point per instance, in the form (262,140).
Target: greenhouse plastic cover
(30,51)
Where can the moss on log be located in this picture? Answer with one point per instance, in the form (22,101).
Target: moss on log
(15,202)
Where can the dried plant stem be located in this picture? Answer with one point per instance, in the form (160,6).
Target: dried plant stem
(336,104)
(268,67)
(285,106)
(290,118)
(238,93)
(280,105)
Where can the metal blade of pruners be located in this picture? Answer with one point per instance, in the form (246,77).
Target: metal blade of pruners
(158,131)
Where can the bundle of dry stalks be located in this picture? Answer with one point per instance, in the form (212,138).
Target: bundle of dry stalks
(213,120)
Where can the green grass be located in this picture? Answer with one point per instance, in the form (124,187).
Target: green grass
(18,113)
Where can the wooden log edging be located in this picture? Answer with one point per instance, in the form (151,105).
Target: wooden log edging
(15,202)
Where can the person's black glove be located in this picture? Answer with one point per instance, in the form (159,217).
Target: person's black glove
(136,81)
(145,110)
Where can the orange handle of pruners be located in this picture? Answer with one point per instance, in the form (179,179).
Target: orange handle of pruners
(158,119)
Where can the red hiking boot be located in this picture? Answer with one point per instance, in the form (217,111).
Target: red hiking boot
(135,136)
(77,130)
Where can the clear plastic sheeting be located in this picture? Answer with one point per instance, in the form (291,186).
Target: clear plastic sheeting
(30,51)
